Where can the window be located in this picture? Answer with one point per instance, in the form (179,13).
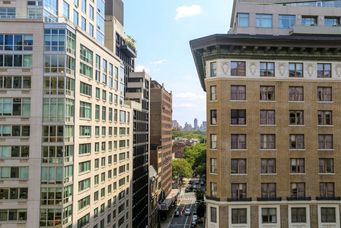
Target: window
(82,222)
(85,110)
(296,141)
(326,165)
(296,117)
(264,20)
(268,141)
(298,215)
(239,215)
(14,130)
(213,69)
(85,148)
(238,92)
(243,20)
(97,112)
(213,163)
(324,93)
(104,95)
(238,191)
(91,12)
(84,166)
(331,21)
(83,203)
(286,21)
(325,141)
(309,21)
(238,141)
(238,166)
(267,69)
(7,12)
(268,190)
(85,130)
(267,93)
(15,107)
(14,173)
(213,93)
(238,68)
(214,189)
(13,215)
(86,55)
(213,117)
(297,165)
(238,116)
(324,70)
(268,165)
(213,213)
(327,189)
(104,113)
(324,118)
(66,10)
(15,82)
(296,93)
(269,215)
(75,18)
(13,194)
(328,215)
(296,70)
(213,143)
(7,152)
(85,89)
(297,189)
(84,6)
(84,184)
(85,70)
(267,117)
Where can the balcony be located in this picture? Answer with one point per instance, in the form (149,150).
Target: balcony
(317,30)
(269,198)
(328,198)
(212,198)
(128,47)
(299,198)
(244,199)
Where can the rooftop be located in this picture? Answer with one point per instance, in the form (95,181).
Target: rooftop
(227,45)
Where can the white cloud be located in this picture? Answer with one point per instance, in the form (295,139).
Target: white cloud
(141,68)
(187,11)
(159,62)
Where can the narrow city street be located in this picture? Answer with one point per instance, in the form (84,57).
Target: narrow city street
(187,200)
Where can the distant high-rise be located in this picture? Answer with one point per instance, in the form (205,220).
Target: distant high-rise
(273,112)
(196,126)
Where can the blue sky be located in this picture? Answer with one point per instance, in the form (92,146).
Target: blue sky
(162,30)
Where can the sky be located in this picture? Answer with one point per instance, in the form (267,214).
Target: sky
(162,30)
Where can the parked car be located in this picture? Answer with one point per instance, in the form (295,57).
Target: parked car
(188,211)
(194,218)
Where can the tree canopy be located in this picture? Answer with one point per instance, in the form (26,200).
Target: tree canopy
(181,168)
(196,157)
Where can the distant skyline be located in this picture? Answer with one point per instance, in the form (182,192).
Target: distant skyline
(162,30)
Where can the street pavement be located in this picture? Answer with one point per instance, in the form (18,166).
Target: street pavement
(185,200)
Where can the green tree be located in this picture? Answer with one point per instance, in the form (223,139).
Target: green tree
(196,157)
(181,168)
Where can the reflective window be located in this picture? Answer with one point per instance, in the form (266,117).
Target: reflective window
(264,20)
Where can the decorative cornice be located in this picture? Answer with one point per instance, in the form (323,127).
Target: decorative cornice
(312,47)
